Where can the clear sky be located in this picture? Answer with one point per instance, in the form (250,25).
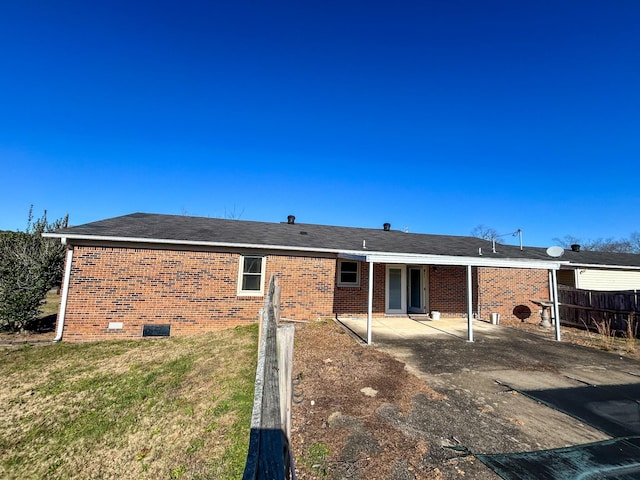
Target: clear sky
(432,115)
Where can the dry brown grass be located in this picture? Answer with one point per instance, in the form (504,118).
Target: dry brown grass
(605,335)
(627,346)
(630,334)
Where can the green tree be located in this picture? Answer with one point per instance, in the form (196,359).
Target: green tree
(30,265)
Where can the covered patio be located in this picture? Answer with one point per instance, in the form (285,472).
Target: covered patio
(395,286)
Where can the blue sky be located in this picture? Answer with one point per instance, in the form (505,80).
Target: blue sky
(436,116)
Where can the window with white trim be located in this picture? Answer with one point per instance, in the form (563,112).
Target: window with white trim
(251,276)
(348,273)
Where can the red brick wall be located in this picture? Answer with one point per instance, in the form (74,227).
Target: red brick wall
(448,290)
(196,291)
(192,291)
(354,300)
(508,291)
(306,284)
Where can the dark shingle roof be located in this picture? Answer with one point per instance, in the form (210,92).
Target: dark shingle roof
(175,228)
(600,258)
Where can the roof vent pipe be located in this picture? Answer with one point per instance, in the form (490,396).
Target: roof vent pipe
(575,247)
(386,227)
(291,219)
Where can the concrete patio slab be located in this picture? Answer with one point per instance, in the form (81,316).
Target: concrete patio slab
(388,328)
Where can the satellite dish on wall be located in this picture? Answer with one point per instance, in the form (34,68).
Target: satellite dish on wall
(555,251)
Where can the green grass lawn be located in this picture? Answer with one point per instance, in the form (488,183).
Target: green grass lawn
(177,408)
(51,303)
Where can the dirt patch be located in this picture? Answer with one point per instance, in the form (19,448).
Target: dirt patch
(349,410)
(25,338)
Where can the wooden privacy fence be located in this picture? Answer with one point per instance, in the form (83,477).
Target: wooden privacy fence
(587,308)
(269,456)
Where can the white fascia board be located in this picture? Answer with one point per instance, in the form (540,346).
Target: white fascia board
(472,261)
(602,267)
(375,257)
(192,243)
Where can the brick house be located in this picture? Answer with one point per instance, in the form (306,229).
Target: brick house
(147,274)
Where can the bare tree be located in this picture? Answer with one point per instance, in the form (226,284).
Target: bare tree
(610,244)
(233,214)
(634,240)
(484,232)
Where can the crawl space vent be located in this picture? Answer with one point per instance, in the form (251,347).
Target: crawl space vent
(156,330)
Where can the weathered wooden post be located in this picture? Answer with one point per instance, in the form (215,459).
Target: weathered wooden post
(285,369)
(260,320)
(269,455)
(276,299)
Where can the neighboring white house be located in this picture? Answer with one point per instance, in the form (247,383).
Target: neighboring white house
(603,271)
(606,279)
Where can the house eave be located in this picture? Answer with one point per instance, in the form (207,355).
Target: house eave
(599,266)
(66,238)
(375,257)
(426,259)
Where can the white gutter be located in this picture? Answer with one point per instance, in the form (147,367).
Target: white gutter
(377,257)
(466,261)
(65,294)
(159,241)
(602,266)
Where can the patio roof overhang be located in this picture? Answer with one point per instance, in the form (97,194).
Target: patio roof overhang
(428,259)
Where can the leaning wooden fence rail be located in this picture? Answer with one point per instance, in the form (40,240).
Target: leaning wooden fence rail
(270,456)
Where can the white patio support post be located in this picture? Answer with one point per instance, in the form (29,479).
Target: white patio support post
(469,305)
(556,308)
(370,303)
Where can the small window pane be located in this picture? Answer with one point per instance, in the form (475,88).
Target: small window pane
(252,264)
(348,277)
(349,267)
(251,282)
(349,273)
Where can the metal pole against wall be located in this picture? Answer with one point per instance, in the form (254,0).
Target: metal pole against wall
(556,308)
(370,303)
(469,304)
